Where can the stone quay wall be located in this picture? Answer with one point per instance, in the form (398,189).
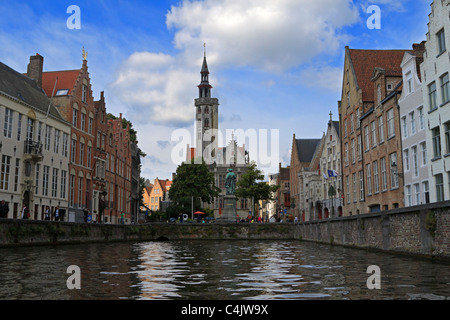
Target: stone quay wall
(420,230)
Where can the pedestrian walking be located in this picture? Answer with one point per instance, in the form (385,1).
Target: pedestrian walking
(25,212)
(57,213)
(47,214)
(4,209)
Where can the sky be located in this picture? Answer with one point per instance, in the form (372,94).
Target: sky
(275,66)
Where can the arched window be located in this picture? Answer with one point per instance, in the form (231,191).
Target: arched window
(207,110)
(199,110)
(206,122)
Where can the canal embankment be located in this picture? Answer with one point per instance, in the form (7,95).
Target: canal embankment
(422,230)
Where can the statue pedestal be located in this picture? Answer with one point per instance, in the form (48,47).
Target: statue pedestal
(229,210)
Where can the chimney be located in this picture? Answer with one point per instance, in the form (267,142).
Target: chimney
(35,69)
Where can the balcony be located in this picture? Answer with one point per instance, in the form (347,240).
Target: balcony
(33,150)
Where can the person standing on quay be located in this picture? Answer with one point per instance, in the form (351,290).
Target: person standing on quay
(57,213)
(25,212)
(47,214)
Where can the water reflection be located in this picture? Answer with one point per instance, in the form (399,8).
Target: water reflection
(216,270)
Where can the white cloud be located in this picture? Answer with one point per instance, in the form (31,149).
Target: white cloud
(271,36)
(264,34)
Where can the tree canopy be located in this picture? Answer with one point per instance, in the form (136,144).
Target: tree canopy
(250,185)
(193,180)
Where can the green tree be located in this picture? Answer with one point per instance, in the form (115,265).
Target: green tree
(193,180)
(251,186)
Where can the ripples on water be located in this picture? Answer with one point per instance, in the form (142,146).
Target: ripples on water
(216,270)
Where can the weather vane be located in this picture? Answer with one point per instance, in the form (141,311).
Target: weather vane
(85,54)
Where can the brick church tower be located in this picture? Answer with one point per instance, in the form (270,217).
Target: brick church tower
(206,119)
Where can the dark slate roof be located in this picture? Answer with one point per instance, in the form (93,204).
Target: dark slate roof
(23,88)
(306,148)
(336,126)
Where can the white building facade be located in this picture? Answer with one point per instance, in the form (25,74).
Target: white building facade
(435,72)
(413,123)
(34,150)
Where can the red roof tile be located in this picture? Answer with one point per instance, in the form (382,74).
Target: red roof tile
(365,61)
(66,80)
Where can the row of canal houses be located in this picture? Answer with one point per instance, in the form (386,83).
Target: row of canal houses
(390,147)
(59,150)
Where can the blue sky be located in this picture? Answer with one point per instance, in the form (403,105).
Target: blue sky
(274,64)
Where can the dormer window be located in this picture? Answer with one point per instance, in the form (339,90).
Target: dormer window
(62,92)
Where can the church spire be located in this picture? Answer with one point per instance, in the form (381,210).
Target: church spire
(204,86)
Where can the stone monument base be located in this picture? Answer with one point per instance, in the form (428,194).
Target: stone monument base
(229,209)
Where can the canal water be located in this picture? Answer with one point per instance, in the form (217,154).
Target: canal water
(216,270)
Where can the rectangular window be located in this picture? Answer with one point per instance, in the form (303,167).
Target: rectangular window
(441,41)
(421,119)
(347,178)
(7,129)
(57,137)
(357,119)
(436,137)
(383,175)
(346,154)
(16,176)
(445,88)
(65,144)
(366,135)
(447,136)
(75,118)
(423,150)
(354,188)
(55,183)
(417,194)
(38,168)
(63,184)
(359,147)
(19,127)
(409,88)
(432,96)
(83,121)
(376,182)
(81,154)
(439,181)
(48,135)
(45,180)
(72,191)
(90,125)
(374,134)
(408,202)
(353,151)
(412,119)
(84,93)
(80,192)
(404,128)
(406,157)
(4,174)
(352,121)
(426,192)
(390,123)
(381,129)
(415,161)
(394,170)
(361,185)
(345,128)
(89,155)
(73,151)
(369,179)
